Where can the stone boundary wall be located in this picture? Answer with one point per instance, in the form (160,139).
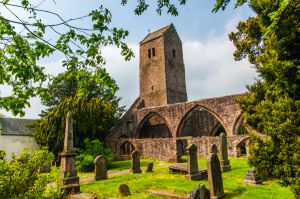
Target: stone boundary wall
(164,149)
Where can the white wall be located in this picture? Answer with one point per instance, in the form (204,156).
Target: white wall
(15,144)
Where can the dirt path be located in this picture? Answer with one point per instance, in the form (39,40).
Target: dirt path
(117,173)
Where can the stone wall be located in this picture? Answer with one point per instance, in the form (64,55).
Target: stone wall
(165,148)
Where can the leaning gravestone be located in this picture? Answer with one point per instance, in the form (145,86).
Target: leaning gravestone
(100,172)
(225,163)
(135,165)
(192,164)
(70,181)
(252,178)
(200,193)
(124,190)
(215,174)
(149,167)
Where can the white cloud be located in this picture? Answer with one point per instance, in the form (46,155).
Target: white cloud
(209,66)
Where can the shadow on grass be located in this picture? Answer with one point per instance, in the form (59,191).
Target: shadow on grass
(235,192)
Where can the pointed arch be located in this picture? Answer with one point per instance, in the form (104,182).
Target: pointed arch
(126,148)
(212,122)
(153,125)
(238,127)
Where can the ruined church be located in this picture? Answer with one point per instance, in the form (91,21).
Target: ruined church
(161,122)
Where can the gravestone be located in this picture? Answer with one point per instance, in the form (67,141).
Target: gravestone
(200,193)
(124,190)
(70,181)
(149,167)
(225,163)
(192,164)
(135,165)
(45,168)
(215,174)
(252,178)
(100,172)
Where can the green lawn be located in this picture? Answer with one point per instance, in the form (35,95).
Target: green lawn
(160,179)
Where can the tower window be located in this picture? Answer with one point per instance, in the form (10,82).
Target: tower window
(153,52)
(149,53)
(174,53)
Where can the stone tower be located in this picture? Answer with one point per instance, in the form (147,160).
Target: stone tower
(162,75)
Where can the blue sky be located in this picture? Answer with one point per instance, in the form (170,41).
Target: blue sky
(209,65)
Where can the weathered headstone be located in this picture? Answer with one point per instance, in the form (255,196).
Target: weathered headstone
(192,164)
(124,190)
(70,181)
(100,172)
(200,193)
(225,163)
(45,168)
(135,165)
(252,178)
(215,174)
(149,167)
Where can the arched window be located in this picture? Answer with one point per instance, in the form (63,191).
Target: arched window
(200,122)
(126,148)
(154,126)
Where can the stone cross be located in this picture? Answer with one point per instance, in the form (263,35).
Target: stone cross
(192,164)
(100,172)
(149,167)
(225,163)
(70,181)
(215,174)
(135,165)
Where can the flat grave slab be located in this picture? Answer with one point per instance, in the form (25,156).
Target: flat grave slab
(183,169)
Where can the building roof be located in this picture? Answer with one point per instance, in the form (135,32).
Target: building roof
(156,34)
(15,126)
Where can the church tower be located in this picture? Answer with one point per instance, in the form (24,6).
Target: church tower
(162,74)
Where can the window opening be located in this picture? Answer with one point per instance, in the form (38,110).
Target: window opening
(149,53)
(153,52)
(174,53)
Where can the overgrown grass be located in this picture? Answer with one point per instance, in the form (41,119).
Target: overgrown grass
(160,179)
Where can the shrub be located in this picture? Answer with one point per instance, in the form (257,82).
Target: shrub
(20,177)
(92,148)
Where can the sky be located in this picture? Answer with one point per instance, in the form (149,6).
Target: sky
(210,68)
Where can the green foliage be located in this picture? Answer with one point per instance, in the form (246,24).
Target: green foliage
(262,156)
(22,51)
(271,42)
(86,157)
(92,118)
(20,177)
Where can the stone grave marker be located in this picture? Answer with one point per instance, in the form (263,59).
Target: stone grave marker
(100,172)
(192,164)
(252,178)
(225,163)
(45,168)
(215,174)
(135,165)
(149,167)
(70,181)
(200,193)
(124,190)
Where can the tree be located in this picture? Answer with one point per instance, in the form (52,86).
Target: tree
(271,42)
(20,177)
(94,106)
(21,51)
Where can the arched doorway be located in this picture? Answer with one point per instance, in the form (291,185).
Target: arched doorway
(154,126)
(200,122)
(126,148)
(242,148)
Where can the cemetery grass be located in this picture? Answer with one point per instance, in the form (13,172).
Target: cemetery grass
(160,179)
(123,165)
